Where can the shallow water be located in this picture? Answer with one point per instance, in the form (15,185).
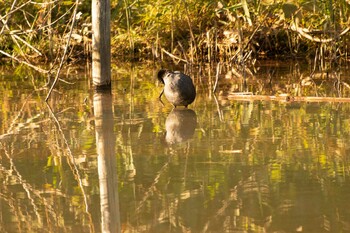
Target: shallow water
(90,162)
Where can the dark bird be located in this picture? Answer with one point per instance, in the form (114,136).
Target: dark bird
(178,88)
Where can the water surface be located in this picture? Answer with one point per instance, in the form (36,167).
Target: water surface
(92,162)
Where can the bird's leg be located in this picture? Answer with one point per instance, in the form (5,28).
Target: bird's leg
(160,97)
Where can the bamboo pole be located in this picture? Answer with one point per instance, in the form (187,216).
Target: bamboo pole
(101,44)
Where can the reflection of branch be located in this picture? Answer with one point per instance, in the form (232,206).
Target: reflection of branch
(13,171)
(10,200)
(217,76)
(150,189)
(28,189)
(148,193)
(226,203)
(71,162)
(12,129)
(218,108)
(222,210)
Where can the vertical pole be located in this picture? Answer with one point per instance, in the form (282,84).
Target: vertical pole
(101,43)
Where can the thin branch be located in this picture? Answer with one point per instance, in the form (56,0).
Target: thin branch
(173,56)
(65,50)
(24,62)
(5,21)
(26,43)
(303,33)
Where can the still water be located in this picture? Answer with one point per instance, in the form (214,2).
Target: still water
(123,162)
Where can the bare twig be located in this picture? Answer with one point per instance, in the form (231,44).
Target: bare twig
(26,43)
(4,22)
(24,62)
(65,50)
(173,56)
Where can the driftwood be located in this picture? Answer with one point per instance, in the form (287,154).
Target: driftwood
(286,98)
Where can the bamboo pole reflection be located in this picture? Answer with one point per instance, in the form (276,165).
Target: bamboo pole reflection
(107,170)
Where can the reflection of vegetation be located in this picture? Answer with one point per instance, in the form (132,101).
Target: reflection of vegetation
(247,176)
(248,172)
(44,181)
(260,166)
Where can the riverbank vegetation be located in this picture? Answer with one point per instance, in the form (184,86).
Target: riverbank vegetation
(189,31)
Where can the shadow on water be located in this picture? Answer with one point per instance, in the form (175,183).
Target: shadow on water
(123,162)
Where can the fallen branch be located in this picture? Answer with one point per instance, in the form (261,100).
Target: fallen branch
(173,56)
(287,98)
(303,33)
(24,62)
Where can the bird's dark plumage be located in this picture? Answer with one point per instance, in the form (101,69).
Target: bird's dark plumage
(178,88)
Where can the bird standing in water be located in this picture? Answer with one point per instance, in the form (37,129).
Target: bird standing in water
(178,88)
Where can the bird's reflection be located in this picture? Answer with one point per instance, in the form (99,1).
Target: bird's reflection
(180,125)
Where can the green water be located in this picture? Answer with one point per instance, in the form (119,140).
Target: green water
(90,162)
